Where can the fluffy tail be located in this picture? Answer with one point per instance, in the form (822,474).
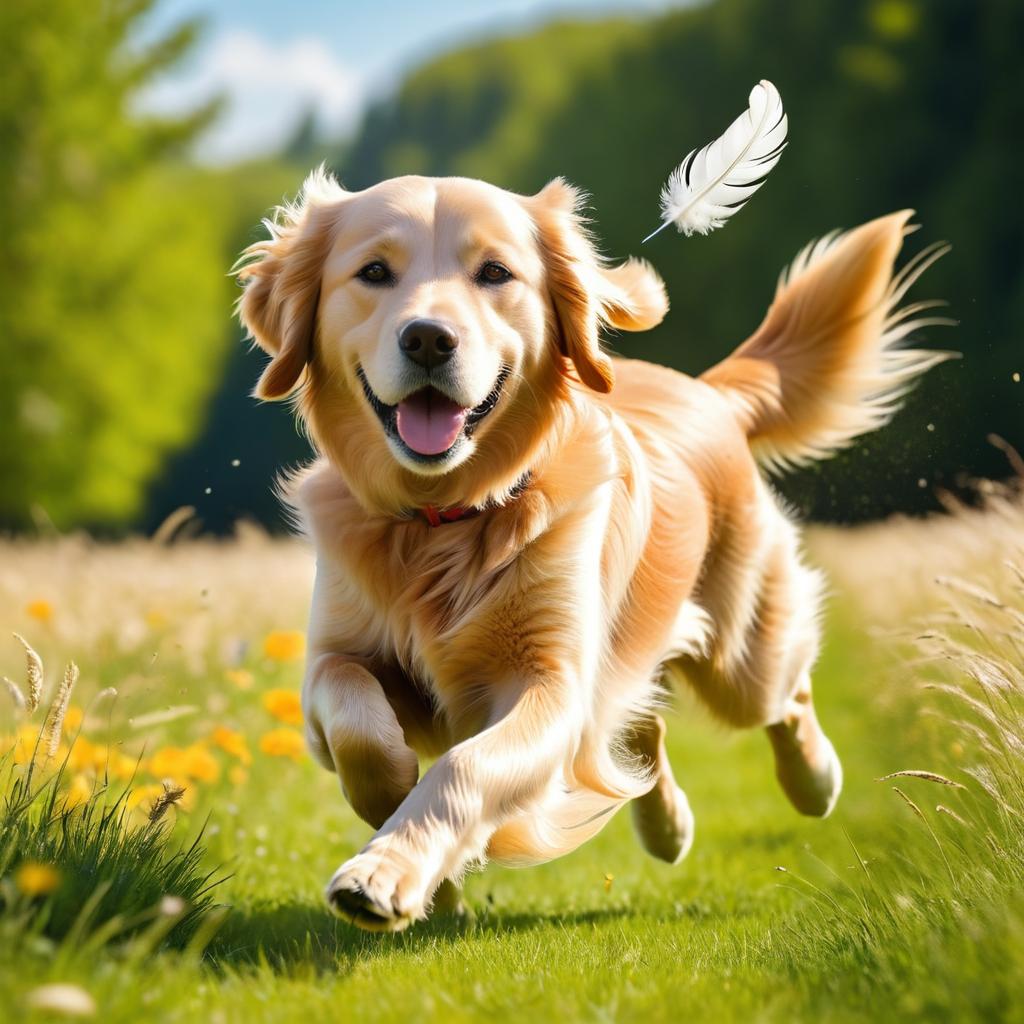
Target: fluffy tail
(825,366)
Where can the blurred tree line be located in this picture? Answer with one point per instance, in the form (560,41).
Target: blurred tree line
(115,304)
(124,389)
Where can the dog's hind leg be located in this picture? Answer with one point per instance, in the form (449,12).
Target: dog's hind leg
(662,817)
(806,763)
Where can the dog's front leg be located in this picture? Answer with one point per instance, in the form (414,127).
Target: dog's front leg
(352,729)
(446,820)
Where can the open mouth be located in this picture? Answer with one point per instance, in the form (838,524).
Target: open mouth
(427,423)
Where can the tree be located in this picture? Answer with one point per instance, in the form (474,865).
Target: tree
(113,296)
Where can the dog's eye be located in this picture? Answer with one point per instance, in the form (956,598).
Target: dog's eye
(376,273)
(493,273)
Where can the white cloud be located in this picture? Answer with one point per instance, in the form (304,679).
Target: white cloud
(266,88)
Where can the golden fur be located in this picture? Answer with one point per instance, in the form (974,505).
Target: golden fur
(526,647)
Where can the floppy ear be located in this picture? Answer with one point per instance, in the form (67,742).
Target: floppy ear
(585,293)
(281,276)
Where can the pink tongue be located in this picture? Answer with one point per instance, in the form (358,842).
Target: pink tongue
(429,423)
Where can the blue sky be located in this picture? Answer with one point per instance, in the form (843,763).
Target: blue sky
(272,60)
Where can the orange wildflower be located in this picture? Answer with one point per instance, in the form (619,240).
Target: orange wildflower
(284,645)
(283,743)
(241,677)
(284,705)
(35,879)
(40,609)
(232,742)
(194,762)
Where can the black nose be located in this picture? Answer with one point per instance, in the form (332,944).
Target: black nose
(428,343)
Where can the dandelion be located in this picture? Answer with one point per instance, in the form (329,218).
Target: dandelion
(62,999)
(39,609)
(232,742)
(170,797)
(283,743)
(240,677)
(36,879)
(33,673)
(284,645)
(284,705)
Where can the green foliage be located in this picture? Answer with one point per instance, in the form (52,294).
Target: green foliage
(112,287)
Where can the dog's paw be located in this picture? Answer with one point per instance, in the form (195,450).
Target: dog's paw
(806,765)
(664,822)
(378,891)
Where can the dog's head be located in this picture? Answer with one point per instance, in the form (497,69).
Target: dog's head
(431,326)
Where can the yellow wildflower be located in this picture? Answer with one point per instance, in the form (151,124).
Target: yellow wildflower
(82,755)
(143,795)
(78,792)
(237,775)
(156,619)
(201,764)
(115,764)
(40,609)
(26,743)
(240,677)
(233,743)
(35,879)
(284,705)
(194,762)
(100,759)
(283,743)
(73,719)
(284,645)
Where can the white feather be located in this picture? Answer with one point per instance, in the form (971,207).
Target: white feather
(709,186)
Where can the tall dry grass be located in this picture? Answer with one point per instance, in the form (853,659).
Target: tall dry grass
(951,587)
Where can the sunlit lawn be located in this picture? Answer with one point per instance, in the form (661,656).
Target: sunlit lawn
(605,934)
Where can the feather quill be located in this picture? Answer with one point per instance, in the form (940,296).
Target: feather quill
(712,184)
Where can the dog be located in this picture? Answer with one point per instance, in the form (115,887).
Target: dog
(523,543)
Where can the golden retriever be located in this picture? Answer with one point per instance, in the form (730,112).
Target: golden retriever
(522,540)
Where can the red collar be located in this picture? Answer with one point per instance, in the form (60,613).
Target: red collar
(439,516)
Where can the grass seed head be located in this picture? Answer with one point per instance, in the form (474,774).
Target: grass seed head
(53,726)
(17,697)
(33,674)
(927,776)
(171,795)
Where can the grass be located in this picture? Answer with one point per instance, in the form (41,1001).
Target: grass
(888,910)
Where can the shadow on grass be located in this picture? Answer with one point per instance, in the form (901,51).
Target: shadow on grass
(305,938)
